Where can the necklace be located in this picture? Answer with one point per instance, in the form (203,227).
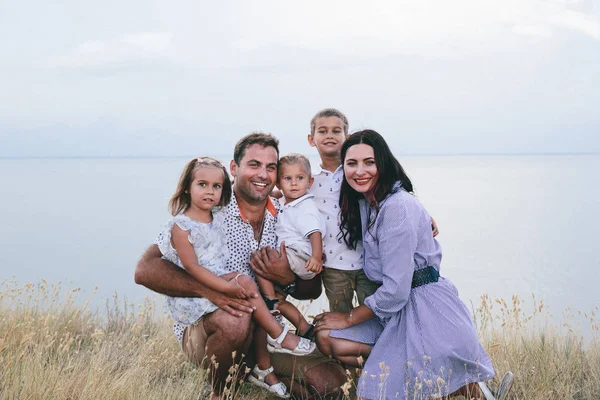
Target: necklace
(258,235)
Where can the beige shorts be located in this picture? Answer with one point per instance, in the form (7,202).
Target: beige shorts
(297,260)
(193,345)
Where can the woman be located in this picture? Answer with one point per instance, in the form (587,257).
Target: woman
(415,334)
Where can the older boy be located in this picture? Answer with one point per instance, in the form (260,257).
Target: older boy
(343,268)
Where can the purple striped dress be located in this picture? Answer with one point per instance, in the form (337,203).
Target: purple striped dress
(424,342)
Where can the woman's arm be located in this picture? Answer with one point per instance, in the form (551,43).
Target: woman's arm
(188,258)
(396,245)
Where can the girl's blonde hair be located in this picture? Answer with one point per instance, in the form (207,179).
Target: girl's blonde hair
(181,200)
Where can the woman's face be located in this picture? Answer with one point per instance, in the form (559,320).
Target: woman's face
(360,168)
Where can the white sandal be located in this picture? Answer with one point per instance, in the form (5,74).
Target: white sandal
(279,389)
(304,347)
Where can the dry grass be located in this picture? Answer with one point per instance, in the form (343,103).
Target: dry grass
(52,349)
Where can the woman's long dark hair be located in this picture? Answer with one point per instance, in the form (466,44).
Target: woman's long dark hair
(389,172)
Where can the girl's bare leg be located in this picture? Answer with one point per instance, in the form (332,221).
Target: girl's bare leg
(262,316)
(263,358)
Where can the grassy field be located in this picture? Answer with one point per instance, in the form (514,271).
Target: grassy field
(52,349)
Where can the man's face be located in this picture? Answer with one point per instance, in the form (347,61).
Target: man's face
(256,174)
(328,136)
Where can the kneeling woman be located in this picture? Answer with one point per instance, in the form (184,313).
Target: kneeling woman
(416,335)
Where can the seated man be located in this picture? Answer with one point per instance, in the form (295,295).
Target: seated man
(251,240)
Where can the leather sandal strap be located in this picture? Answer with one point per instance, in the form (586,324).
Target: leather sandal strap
(261,374)
(280,338)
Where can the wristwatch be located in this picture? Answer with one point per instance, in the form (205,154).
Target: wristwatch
(289,289)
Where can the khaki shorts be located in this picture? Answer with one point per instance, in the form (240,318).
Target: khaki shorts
(193,345)
(340,287)
(297,260)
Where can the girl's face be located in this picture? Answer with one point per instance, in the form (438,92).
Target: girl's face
(360,168)
(206,188)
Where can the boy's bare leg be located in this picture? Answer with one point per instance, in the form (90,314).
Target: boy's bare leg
(292,314)
(262,316)
(266,287)
(287,309)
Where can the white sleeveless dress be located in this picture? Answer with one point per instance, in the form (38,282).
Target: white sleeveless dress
(210,246)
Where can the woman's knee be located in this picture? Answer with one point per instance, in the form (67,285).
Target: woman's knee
(324,343)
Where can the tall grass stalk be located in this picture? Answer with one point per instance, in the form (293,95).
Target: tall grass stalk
(50,348)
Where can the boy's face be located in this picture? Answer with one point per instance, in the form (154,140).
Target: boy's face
(328,136)
(293,181)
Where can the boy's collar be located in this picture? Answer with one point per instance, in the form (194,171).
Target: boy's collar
(320,170)
(297,201)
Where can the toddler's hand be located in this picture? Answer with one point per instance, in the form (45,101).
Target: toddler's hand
(233,289)
(314,265)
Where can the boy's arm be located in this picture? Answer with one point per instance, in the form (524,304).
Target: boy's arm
(164,277)
(274,266)
(315,263)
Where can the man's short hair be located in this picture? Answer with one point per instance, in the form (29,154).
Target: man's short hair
(264,139)
(295,158)
(329,112)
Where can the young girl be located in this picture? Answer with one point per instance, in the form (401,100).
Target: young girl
(194,239)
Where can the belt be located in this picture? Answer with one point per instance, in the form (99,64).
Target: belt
(424,276)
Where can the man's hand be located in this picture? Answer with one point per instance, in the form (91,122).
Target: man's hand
(272,265)
(231,305)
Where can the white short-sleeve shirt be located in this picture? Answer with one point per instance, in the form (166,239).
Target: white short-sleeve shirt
(326,189)
(297,220)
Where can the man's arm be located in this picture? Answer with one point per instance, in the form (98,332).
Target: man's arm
(273,265)
(162,276)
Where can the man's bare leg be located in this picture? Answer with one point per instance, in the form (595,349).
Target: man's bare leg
(322,381)
(227,335)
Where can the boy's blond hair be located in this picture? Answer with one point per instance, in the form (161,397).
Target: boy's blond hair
(329,112)
(295,158)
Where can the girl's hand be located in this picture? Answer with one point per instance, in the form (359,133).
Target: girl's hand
(233,289)
(332,320)
(314,265)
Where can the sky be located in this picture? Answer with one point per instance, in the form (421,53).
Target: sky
(177,78)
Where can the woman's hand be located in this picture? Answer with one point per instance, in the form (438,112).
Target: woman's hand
(332,320)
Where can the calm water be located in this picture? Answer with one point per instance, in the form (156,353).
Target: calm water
(509,224)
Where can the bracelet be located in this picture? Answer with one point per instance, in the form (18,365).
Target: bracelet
(350,315)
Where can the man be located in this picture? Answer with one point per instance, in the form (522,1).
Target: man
(251,240)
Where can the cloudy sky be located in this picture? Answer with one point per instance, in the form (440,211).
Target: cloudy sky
(165,78)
